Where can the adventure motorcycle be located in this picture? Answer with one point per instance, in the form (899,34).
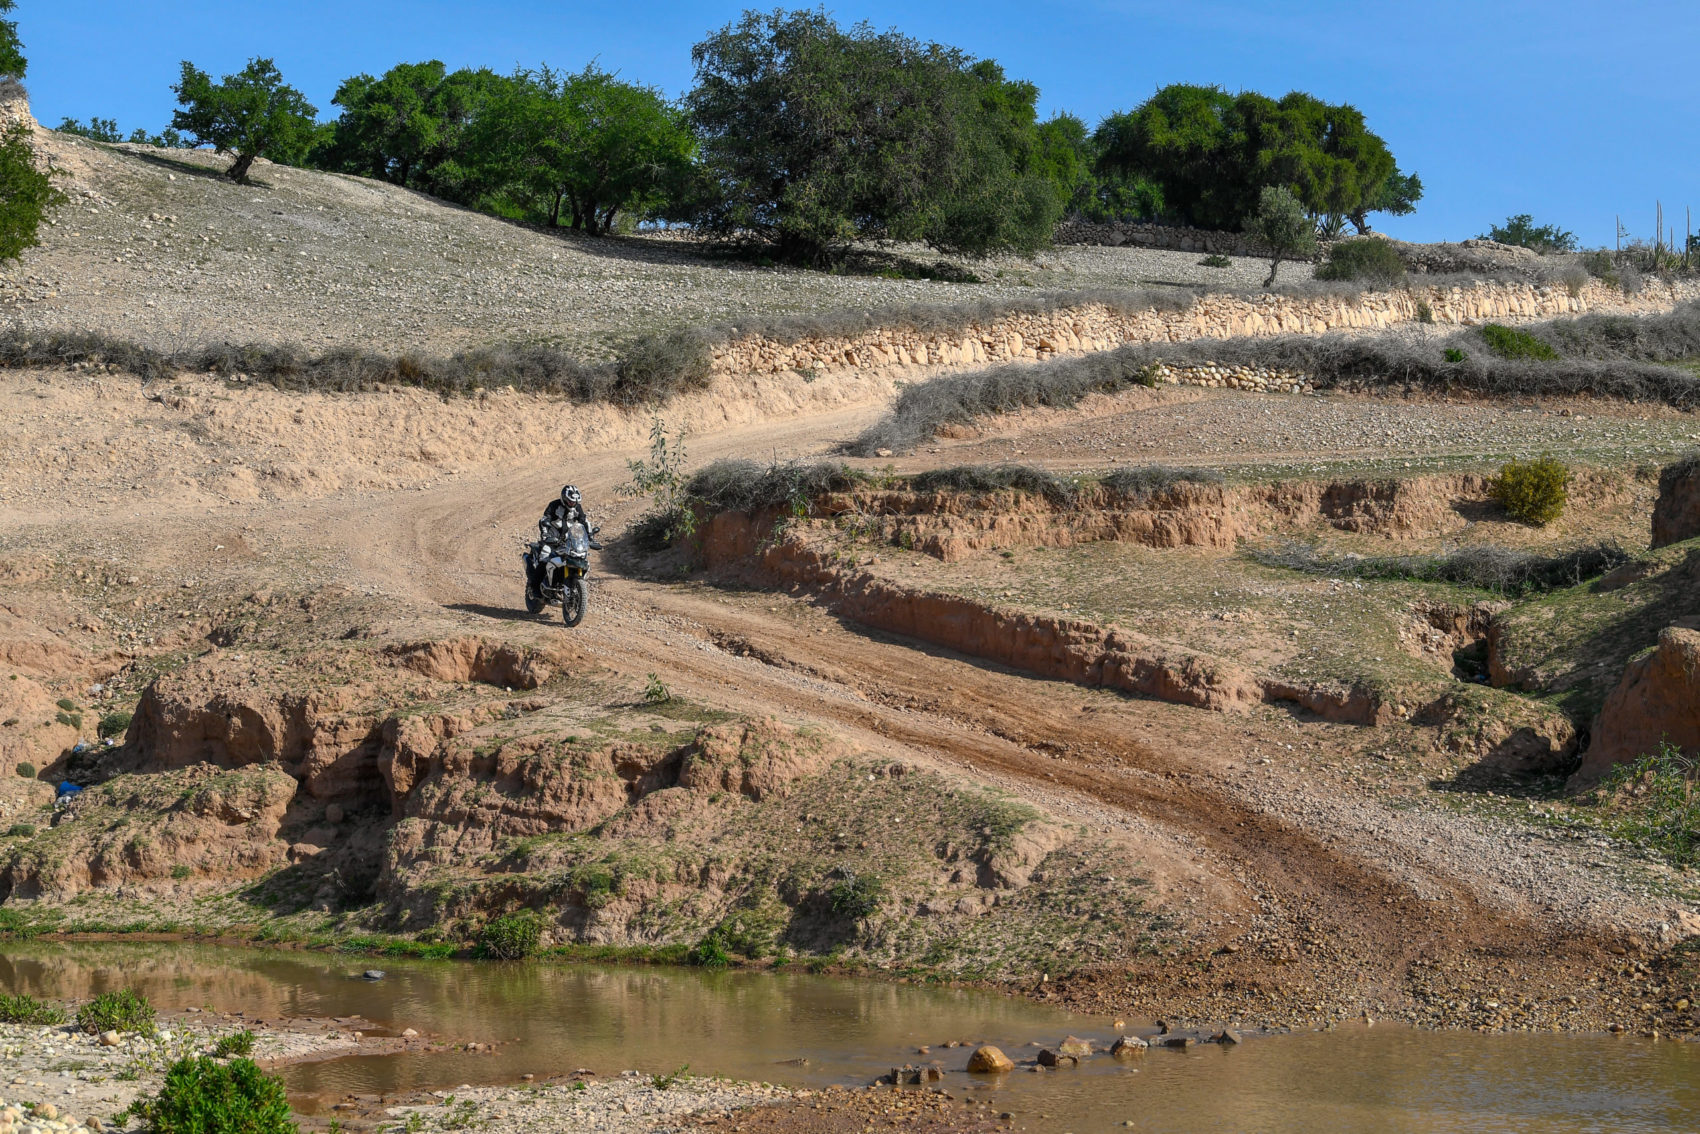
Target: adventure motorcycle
(564,554)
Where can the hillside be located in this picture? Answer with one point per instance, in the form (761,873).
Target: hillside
(158,247)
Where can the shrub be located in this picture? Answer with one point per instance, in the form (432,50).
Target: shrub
(236,1043)
(655,691)
(26,770)
(123,1011)
(1510,572)
(511,937)
(181,871)
(1366,260)
(1656,804)
(203,1096)
(25,1009)
(1145,480)
(856,896)
(994,478)
(21,830)
(711,952)
(1533,491)
(1453,354)
(1425,313)
(73,720)
(67,704)
(733,485)
(1215,260)
(114,723)
(1601,266)
(1510,343)
(1522,231)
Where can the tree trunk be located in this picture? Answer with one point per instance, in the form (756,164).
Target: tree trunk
(555,212)
(239,172)
(608,219)
(1274,266)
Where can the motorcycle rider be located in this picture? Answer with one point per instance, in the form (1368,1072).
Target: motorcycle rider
(559,512)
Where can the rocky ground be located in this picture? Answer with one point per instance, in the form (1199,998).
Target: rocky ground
(158,247)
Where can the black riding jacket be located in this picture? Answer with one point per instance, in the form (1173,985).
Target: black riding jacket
(558,515)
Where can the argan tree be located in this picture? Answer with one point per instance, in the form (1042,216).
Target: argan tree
(27,192)
(12,61)
(251,114)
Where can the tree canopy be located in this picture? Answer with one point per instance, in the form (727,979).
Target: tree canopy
(814,136)
(249,115)
(12,61)
(1211,154)
(27,193)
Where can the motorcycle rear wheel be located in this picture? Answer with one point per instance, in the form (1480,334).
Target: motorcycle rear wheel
(574,602)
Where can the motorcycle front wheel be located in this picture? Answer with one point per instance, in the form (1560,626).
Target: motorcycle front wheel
(573,602)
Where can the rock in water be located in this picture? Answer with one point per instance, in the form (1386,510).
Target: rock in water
(373,974)
(1049,1058)
(1126,1047)
(1075,1046)
(988,1060)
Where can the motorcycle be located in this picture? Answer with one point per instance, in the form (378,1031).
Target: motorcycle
(565,557)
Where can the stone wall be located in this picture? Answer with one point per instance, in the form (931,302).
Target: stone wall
(1169,237)
(1094,327)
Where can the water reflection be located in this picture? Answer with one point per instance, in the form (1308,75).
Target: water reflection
(552,1020)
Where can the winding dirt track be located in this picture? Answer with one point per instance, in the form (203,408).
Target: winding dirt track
(1231,844)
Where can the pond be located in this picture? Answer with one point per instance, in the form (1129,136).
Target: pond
(553,1019)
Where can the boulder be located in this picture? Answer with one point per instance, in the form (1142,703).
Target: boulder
(1657,701)
(1075,1046)
(1676,515)
(989,1060)
(1049,1058)
(1126,1047)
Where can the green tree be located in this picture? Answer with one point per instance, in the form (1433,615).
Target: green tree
(27,193)
(95,129)
(1211,154)
(251,114)
(390,126)
(584,146)
(1280,222)
(12,61)
(1522,231)
(815,137)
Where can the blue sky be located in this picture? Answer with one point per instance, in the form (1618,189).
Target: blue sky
(1571,111)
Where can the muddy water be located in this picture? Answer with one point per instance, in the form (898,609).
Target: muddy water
(554,1019)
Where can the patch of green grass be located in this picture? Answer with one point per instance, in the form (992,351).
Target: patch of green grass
(1507,342)
(25,1009)
(1655,803)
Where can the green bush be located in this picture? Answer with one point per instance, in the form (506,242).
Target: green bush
(203,1096)
(20,830)
(1425,313)
(856,896)
(1656,804)
(236,1043)
(114,723)
(123,1011)
(1453,354)
(711,952)
(181,871)
(511,937)
(1367,260)
(67,704)
(26,770)
(1533,491)
(1215,260)
(74,720)
(27,193)
(1513,344)
(24,1009)
(1522,231)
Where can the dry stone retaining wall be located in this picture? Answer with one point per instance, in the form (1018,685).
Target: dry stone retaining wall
(1096,327)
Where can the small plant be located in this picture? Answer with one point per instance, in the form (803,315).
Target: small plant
(74,720)
(66,704)
(1149,375)
(856,896)
(511,937)
(20,830)
(655,692)
(1655,803)
(181,871)
(662,1082)
(203,1096)
(662,479)
(1453,354)
(1215,260)
(1367,259)
(1425,313)
(25,1009)
(1514,344)
(710,952)
(1532,491)
(236,1043)
(123,1011)
(114,724)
